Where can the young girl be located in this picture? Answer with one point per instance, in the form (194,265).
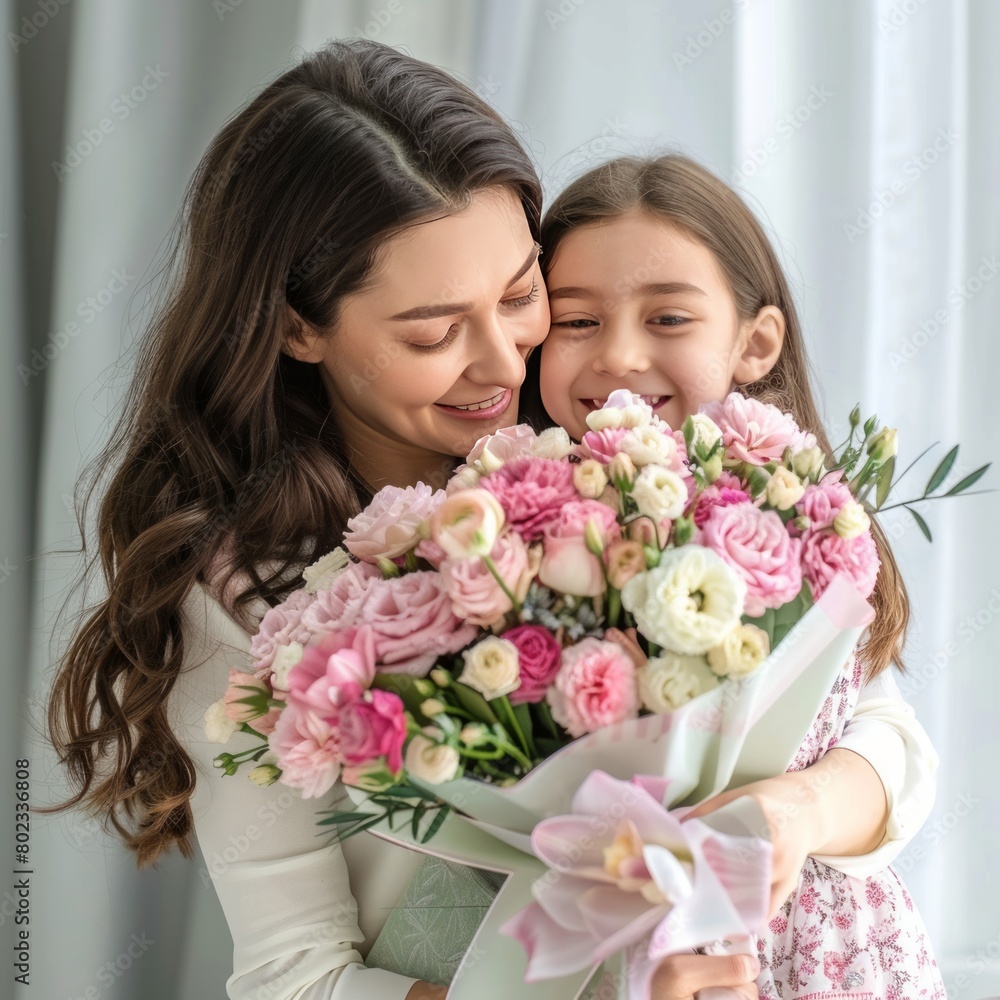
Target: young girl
(661,281)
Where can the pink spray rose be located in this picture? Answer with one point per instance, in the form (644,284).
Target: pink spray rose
(726,491)
(336,606)
(371,727)
(825,553)
(823,501)
(757,545)
(539,658)
(413,622)
(280,626)
(308,751)
(532,491)
(387,527)
(333,672)
(568,566)
(476,597)
(755,432)
(595,687)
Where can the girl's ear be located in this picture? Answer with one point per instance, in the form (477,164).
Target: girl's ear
(302,342)
(762,338)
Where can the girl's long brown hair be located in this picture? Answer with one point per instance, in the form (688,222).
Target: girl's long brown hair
(685,194)
(226,443)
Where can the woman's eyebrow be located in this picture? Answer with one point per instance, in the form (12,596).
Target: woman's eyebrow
(439,309)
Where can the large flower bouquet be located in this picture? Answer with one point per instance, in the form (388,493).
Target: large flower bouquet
(569,626)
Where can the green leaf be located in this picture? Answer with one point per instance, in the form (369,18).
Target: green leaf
(418,815)
(523,715)
(342,817)
(973,477)
(402,685)
(361,827)
(404,792)
(941,472)
(436,823)
(921,523)
(474,703)
(884,481)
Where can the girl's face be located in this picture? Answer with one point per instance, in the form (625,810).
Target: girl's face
(430,357)
(637,304)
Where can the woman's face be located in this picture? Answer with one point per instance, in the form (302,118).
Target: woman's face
(430,357)
(637,304)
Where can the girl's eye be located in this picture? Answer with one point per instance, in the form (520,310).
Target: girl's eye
(576,324)
(669,320)
(525,300)
(441,344)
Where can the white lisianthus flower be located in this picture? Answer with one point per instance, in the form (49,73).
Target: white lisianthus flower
(606,418)
(492,667)
(430,761)
(589,478)
(552,443)
(809,463)
(621,469)
(284,659)
(741,652)
(784,489)
(884,445)
(689,602)
(648,446)
(265,774)
(432,707)
(659,493)
(218,728)
(321,574)
(669,681)
(465,478)
(636,415)
(852,520)
(706,432)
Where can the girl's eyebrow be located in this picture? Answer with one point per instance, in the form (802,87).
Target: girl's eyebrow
(664,288)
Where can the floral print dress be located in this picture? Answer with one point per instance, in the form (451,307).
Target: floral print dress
(838,936)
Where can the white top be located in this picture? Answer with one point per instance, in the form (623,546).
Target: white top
(302,918)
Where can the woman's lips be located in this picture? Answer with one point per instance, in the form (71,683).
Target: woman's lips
(654,401)
(487,409)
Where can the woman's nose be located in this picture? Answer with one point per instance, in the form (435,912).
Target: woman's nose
(499,356)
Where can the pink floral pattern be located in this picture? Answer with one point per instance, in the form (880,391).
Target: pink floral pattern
(841,937)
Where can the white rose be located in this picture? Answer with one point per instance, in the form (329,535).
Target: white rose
(589,478)
(321,574)
(689,602)
(851,521)
(492,667)
(741,652)
(659,493)
(784,489)
(604,419)
(284,659)
(552,443)
(218,728)
(648,446)
(430,761)
(669,681)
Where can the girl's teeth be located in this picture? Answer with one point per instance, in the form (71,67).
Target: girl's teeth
(482,406)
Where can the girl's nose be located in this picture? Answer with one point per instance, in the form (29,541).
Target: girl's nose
(620,351)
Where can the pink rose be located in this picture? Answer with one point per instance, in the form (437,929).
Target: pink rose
(280,626)
(476,597)
(757,545)
(373,726)
(532,491)
(413,622)
(825,553)
(333,672)
(506,444)
(755,432)
(308,751)
(336,606)
(603,445)
(595,687)
(539,658)
(568,566)
(726,491)
(387,527)
(823,501)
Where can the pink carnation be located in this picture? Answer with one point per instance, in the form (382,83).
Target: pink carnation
(280,626)
(539,657)
(413,622)
(825,553)
(532,491)
(387,527)
(308,751)
(333,672)
(757,545)
(373,727)
(603,445)
(476,597)
(755,432)
(595,687)
(336,606)
(726,491)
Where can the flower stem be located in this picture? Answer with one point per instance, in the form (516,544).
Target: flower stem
(491,566)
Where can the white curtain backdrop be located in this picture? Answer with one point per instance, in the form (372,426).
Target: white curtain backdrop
(865,135)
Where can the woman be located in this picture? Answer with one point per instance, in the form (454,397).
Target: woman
(356,290)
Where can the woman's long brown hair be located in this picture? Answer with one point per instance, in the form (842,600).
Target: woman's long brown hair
(224,438)
(685,194)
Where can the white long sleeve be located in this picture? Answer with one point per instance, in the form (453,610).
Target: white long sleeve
(884,730)
(298,929)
